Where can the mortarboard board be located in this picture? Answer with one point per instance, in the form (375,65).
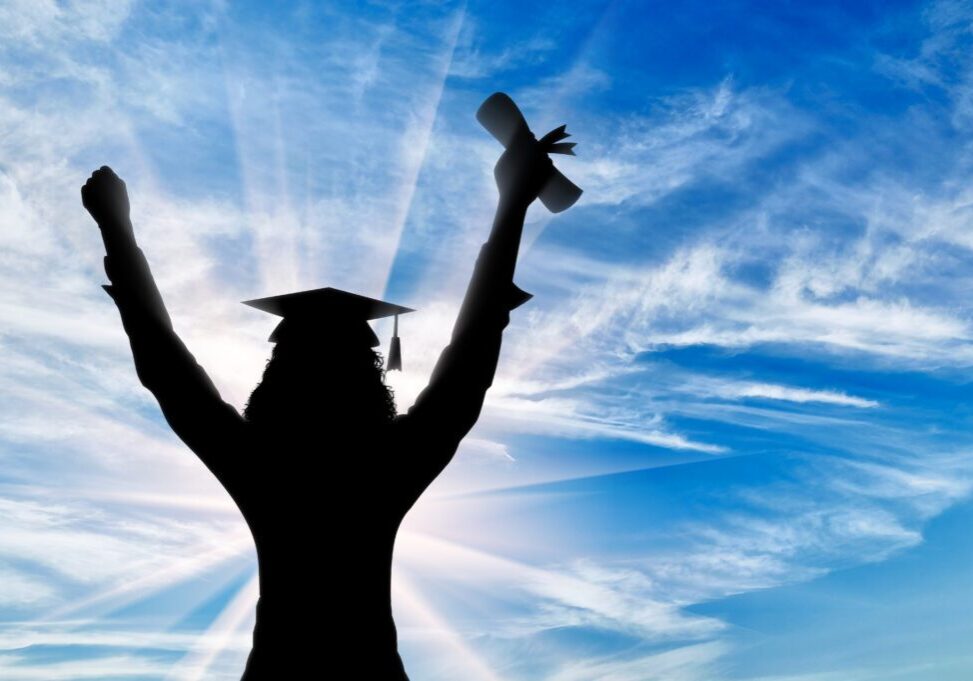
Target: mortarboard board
(336,312)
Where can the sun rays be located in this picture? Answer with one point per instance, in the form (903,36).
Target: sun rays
(418,613)
(231,628)
(414,142)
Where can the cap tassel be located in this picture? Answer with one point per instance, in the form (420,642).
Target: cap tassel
(395,350)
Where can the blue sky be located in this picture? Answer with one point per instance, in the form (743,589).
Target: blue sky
(728,440)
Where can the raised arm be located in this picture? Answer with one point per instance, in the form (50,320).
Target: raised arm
(449,406)
(189,400)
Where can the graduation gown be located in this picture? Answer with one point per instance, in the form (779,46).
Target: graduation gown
(324,523)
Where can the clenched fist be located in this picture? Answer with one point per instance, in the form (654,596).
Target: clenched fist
(106,198)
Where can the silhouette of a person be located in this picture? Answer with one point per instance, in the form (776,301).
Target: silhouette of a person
(321,467)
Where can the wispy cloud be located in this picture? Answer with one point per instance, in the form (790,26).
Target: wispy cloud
(687,663)
(789,394)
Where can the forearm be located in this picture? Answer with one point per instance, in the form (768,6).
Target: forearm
(491,293)
(157,351)
(132,285)
(117,234)
(508,227)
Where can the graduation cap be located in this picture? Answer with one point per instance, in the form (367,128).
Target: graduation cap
(336,313)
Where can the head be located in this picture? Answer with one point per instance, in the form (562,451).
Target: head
(313,381)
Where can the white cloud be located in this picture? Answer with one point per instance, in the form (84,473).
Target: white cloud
(43,22)
(686,663)
(475,57)
(568,418)
(18,589)
(487,449)
(700,133)
(80,544)
(19,668)
(790,394)
(583,593)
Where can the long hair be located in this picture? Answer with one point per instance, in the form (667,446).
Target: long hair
(308,385)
